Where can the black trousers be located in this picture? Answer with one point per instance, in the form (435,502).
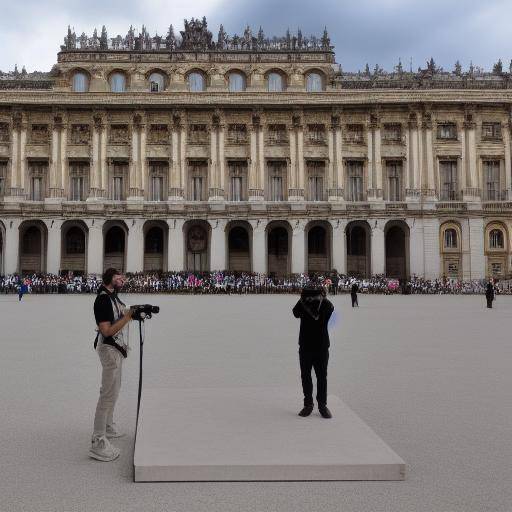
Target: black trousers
(353,296)
(489,302)
(318,360)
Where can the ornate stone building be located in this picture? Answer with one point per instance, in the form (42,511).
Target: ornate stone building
(248,153)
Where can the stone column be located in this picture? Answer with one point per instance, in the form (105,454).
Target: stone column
(416,245)
(103,163)
(505,128)
(143,167)
(470,188)
(18,162)
(377,161)
(97,189)
(12,245)
(256,187)
(135,252)
(218,244)
(301,176)
(55,190)
(339,245)
(95,246)
(183,159)
(54,245)
(431,251)
(369,182)
(176,246)
(292,166)
(221,161)
(335,168)
(430,186)
(261,162)
(298,247)
(259,246)
(378,247)
(412,170)
(135,180)
(213,172)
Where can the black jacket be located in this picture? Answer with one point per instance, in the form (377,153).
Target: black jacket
(314,317)
(489,291)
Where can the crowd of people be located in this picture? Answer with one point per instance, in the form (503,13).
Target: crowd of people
(244,283)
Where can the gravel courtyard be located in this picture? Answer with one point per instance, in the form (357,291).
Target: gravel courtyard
(431,375)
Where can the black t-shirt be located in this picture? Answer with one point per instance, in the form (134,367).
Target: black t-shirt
(103,311)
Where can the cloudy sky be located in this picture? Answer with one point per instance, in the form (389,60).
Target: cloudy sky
(373,31)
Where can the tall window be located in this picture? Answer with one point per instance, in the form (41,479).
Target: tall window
(196,82)
(450,239)
(237,180)
(394,174)
(492,180)
(496,239)
(448,175)
(275,82)
(78,172)
(117,82)
(355,180)
(392,132)
(37,173)
(157,173)
(276,180)
(120,171)
(197,180)
(316,173)
(80,82)
(3,177)
(314,82)
(354,134)
(236,82)
(156,82)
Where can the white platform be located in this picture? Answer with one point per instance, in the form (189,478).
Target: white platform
(244,434)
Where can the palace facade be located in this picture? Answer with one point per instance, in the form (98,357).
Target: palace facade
(192,152)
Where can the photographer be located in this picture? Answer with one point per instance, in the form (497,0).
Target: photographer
(314,311)
(112,317)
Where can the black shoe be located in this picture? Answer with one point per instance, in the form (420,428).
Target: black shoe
(306,411)
(325,412)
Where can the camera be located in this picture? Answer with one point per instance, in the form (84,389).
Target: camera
(144,311)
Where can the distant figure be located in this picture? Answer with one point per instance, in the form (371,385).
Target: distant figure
(489,293)
(353,294)
(22,290)
(314,311)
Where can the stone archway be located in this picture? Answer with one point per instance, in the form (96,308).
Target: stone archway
(239,247)
(319,247)
(33,244)
(155,246)
(197,246)
(358,235)
(278,249)
(396,235)
(74,247)
(115,234)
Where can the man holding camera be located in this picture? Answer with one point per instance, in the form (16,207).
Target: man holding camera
(111,344)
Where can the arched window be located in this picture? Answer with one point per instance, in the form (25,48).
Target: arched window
(450,239)
(196,82)
(496,239)
(156,82)
(314,82)
(80,82)
(117,82)
(275,82)
(236,82)
(75,241)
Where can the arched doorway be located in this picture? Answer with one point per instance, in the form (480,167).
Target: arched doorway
(197,246)
(319,248)
(33,241)
(451,249)
(397,249)
(73,252)
(278,253)
(155,247)
(358,249)
(115,247)
(239,248)
(496,250)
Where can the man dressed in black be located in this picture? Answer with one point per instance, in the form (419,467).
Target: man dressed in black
(314,311)
(353,294)
(489,293)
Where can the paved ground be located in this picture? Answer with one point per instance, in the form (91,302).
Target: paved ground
(431,375)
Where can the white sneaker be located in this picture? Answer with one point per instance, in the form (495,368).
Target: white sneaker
(101,449)
(113,431)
